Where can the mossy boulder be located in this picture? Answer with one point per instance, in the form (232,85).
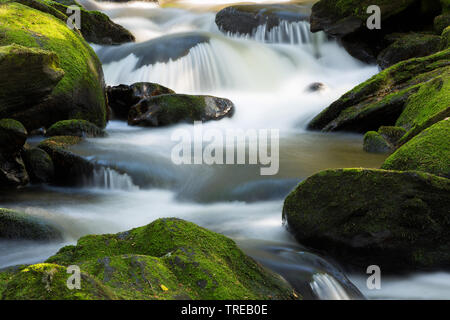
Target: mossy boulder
(375,143)
(18,225)
(382,99)
(407,46)
(70,168)
(167,259)
(441,22)
(80,93)
(12,135)
(346,20)
(122,97)
(32,74)
(75,127)
(445,38)
(173,108)
(245,18)
(392,134)
(39,165)
(429,151)
(396,220)
(46,281)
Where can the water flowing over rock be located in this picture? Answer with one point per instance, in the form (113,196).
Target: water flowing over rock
(245,19)
(109,179)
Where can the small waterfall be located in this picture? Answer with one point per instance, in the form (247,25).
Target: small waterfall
(297,32)
(110,179)
(327,288)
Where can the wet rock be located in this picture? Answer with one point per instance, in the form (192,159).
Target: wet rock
(173,108)
(244,19)
(70,169)
(18,225)
(121,98)
(375,143)
(39,165)
(75,127)
(407,46)
(12,171)
(12,135)
(316,86)
(397,220)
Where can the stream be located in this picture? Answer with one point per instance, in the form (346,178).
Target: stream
(267,76)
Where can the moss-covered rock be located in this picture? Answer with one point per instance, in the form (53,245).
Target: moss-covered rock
(121,98)
(47,281)
(39,165)
(381,100)
(429,151)
(375,143)
(12,135)
(407,46)
(75,127)
(173,259)
(19,225)
(396,220)
(445,38)
(12,171)
(346,20)
(172,108)
(441,22)
(80,93)
(392,134)
(32,75)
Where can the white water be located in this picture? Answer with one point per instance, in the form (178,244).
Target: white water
(267,81)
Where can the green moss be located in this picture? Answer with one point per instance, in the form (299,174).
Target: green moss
(392,134)
(446,38)
(429,151)
(367,216)
(60,142)
(189,261)
(83,78)
(75,127)
(374,142)
(432,98)
(46,281)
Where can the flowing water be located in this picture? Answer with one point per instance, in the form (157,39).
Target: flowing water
(266,75)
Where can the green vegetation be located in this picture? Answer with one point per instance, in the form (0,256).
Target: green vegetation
(75,127)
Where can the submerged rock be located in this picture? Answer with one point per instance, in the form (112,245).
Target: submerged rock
(429,151)
(165,260)
(78,94)
(162,49)
(244,19)
(18,225)
(75,127)
(396,220)
(395,96)
(121,98)
(173,108)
